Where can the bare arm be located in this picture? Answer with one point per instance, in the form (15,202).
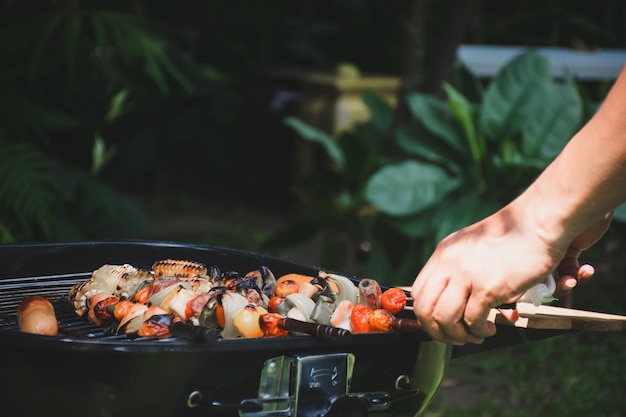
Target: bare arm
(588,179)
(500,257)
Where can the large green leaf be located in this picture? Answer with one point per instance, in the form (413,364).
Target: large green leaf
(30,187)
(416,141)
(437,118)
(554,122)
(464,111)
(515,95)
(315,135)
(408,187)
(380,110)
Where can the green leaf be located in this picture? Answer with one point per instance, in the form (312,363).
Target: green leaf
(464,112)
(116,107)
(175,73)
(416,141)
(513,95)
(437,117)
(381,111)
(315,135)
(30,188)
(408,187)
(555,123)
(153,69)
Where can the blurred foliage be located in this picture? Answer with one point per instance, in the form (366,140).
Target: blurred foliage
(456,162)
(68,77)
(114,101)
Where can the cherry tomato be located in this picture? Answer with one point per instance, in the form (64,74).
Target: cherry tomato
(380,320)
(274,302)
(393,300)
(270,325)
(359,319)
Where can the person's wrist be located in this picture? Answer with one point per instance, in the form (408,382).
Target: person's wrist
(541,216)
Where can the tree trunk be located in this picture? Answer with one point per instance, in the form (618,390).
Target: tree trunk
(414,50)
(450,38)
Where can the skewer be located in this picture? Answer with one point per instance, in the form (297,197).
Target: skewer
(314,329)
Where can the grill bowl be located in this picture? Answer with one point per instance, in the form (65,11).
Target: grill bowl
(83,371)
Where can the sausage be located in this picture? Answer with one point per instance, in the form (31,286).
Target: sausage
(35,314)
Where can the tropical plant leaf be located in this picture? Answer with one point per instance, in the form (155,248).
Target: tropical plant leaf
(30,189)
(464,111)
(515,95)
(312,134)
(117,105)
(380,110)
(416,141)
(437,117)
(556,122)
(408,187)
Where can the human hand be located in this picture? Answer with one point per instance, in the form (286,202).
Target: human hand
(571,273)
(487,264)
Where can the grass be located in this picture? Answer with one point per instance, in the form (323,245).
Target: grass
(582,374)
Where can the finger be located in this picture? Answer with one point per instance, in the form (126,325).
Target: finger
(425,297)
(449,311)
(585,272)
(567,282)
(475,317)
(569,267)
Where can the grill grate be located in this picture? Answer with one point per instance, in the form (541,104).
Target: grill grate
(55,288)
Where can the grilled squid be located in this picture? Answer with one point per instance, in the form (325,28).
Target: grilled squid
(118,280)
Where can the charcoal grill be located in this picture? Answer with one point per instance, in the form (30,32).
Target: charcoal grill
(84,371)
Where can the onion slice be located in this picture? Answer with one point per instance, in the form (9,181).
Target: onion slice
(232,303)
(303,303)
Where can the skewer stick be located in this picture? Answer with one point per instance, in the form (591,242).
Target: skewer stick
(314,329)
